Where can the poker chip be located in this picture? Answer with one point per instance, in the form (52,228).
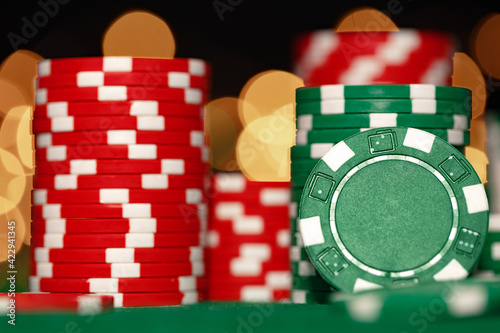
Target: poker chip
(127,270)
(142,240)
(113,285)
(118,226)
(132,152)
(121,137)
(115,108)
(139,123)
(117,255)
(134,181)
(99,167)
(85,305)
(434,183)
(118,200)
(249,294)
(128,210)
(121,64)
(375,106)
(119,93)
(304,137)
(310,122)
(103,195)
(143,79)
(402,91)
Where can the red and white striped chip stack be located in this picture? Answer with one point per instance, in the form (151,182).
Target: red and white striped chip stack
(248,239)
(121,170)
(374,57)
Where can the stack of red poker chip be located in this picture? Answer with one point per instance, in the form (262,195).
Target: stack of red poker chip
(374,57)
(247,253)
(121,167)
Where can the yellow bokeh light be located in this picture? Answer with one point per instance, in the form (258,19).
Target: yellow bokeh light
(139,34)
(10,96)
(478,134)
(13,181)
(263,148)
(484,44)
(267,92)
(19,229)
(466,74)
(365,19)
(21,68)
(479,162)
(223,127)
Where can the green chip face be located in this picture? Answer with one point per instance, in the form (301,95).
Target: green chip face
(410,91)
(310,122)
(367,106)
(393,206)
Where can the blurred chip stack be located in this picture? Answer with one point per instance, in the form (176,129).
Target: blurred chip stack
(374,57)
(248,240)
(120,174)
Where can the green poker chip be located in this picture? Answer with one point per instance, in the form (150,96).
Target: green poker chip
(310,122)
(400,106)
(304,137)
(400,91)
(393,206)
(298,253)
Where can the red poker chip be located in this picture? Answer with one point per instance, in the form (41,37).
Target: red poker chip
(237,294)
(128,270)
(237,184)
(144,240)
(248,267)
(229,240)
(121,137)
(154,299)
(139,123)
(225,209)
(120,93)
(50,303)
(250,225)
(166,79)
(117,255)
(138,181)
(113,285)
(118,152)
(117,226)
(130,210)
(278,253)
(98,167)
(124,108)
(124,195)
(122,64)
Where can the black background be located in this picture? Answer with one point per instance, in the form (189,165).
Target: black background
(255,36)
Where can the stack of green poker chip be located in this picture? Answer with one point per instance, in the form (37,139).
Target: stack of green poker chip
(490,259)
(329,114)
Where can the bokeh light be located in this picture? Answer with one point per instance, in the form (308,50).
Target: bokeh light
(223,127)
(139,34)
(365,19)
(466,74)
(485,46)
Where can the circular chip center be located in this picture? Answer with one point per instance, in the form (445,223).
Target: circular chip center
(393,215)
